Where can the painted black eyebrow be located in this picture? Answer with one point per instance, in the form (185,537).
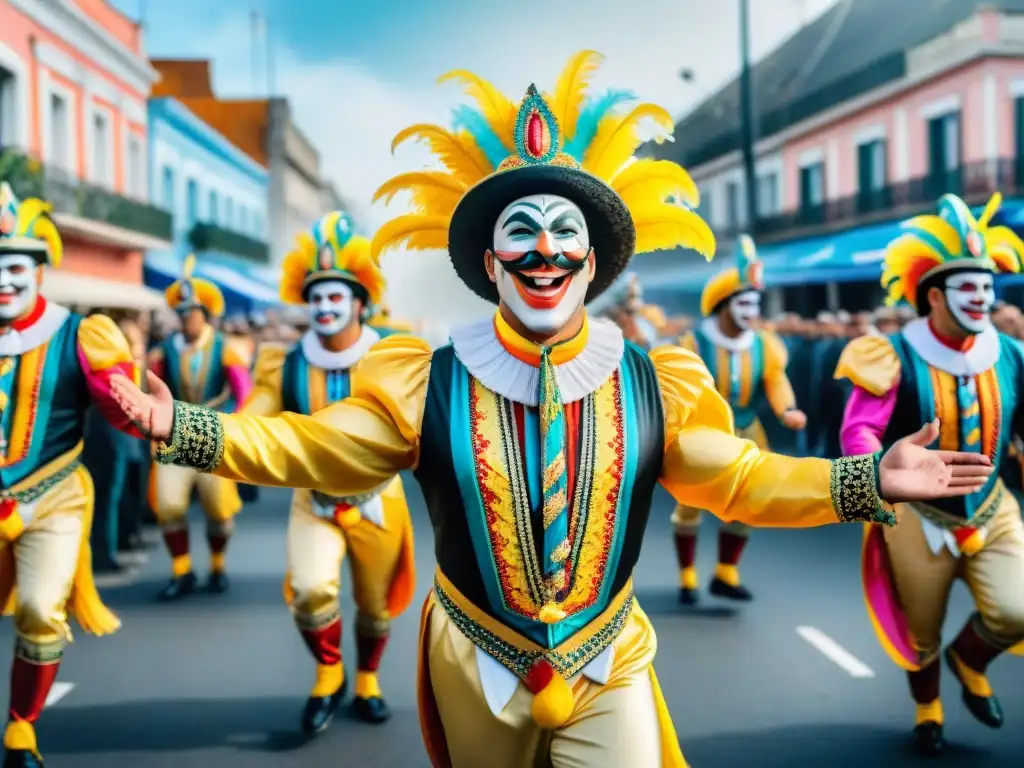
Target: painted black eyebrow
(521,217)
(569,217)
(525,204)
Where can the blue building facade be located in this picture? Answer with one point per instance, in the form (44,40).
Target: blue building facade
(218,197)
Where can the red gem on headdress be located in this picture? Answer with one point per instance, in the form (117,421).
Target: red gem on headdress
(7,223)
(326,258)
(538,140)
(974,244)
(755,274)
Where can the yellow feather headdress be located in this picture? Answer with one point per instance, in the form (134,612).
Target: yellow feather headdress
(192,291)
(26,227)
(569,143)
(747,275)
(330,250)
(951,241)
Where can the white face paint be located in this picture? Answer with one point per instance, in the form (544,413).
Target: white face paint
(331,306)
(18,288)
(970,296)
(745,308)
(541,264)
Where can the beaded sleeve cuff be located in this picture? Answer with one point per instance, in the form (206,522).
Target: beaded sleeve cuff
(855,491)
(197,439)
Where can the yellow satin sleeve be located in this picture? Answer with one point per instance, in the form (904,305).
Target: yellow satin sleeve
(777,387)
(871,363)
(265,399)
(688,341)
(350,449)
(104,345)
(706,466)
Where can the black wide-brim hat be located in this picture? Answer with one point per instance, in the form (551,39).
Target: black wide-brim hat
(609,223)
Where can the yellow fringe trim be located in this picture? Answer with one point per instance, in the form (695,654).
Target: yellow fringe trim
(975,682)
(329,678)
(730,574)
(930,713)
(20,734)
(181,565)
(367,685)
(688,578)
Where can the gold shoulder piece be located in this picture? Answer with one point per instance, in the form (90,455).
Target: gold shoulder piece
(871,363)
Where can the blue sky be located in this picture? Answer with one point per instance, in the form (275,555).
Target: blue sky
(358,71)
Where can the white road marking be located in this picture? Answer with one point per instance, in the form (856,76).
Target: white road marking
(835,652)
(58,692)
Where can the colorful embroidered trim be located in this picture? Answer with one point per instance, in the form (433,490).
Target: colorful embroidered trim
(39,653)
(984,514)
(197,439)
(854,487)
(35,491)
(568,659)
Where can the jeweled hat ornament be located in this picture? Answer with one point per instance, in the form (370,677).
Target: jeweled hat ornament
(951,241)
(572,144)
(191,292)
(26,227)
(331,250)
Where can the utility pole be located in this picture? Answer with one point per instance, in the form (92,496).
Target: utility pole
(254,46)
(270,57)
(747,118)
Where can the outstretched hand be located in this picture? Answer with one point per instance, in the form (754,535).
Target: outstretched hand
(909,471)
(152,414)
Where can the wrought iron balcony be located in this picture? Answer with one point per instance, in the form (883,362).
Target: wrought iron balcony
(210,237)
(974,182)
(72,197)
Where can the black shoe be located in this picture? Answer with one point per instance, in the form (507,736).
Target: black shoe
(21,758)
(179,587)
(689,596)
(928,739)
(319,710)
(218,582)
(986,709)
(373,710)
(739,593)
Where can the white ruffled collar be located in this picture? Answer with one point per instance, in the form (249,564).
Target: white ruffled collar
(14,343)
(478,348)
(709,327)
(318,355)
(982,355)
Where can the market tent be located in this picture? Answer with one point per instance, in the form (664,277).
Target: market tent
(75,290)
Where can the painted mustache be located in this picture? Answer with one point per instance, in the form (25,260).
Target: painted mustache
(571,261)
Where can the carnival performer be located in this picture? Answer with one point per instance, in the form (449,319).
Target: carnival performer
(538,435)
(950,364)
(200,365)
(54,364)
(331,272)
(749,367)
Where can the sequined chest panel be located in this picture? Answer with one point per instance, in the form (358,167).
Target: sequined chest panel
(197,375)
(739,376)
(42,403)
(975,413)
(307,388)
(497,463)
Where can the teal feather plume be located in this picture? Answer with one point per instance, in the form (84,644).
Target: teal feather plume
(468,119)
(593,111)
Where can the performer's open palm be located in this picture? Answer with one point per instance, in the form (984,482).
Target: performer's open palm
(909,471)
(153,414)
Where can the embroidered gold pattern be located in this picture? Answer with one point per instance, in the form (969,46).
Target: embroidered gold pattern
(197,439)
(854,487)
(519,662)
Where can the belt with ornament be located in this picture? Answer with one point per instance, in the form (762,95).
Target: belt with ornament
(32,488)
(970,533)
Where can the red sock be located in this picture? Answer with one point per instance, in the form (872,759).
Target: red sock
(730,548)
(30,685)
(686,548)
(369,649)
(324,642)
(176,540)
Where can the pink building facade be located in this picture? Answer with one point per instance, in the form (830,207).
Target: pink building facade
(956,106)
(74,82)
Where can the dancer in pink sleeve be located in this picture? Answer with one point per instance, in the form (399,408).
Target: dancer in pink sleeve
(949,365)
(200,365)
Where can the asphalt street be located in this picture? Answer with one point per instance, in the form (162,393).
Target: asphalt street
(794,679)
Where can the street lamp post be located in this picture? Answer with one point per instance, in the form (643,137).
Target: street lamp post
(747,118)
